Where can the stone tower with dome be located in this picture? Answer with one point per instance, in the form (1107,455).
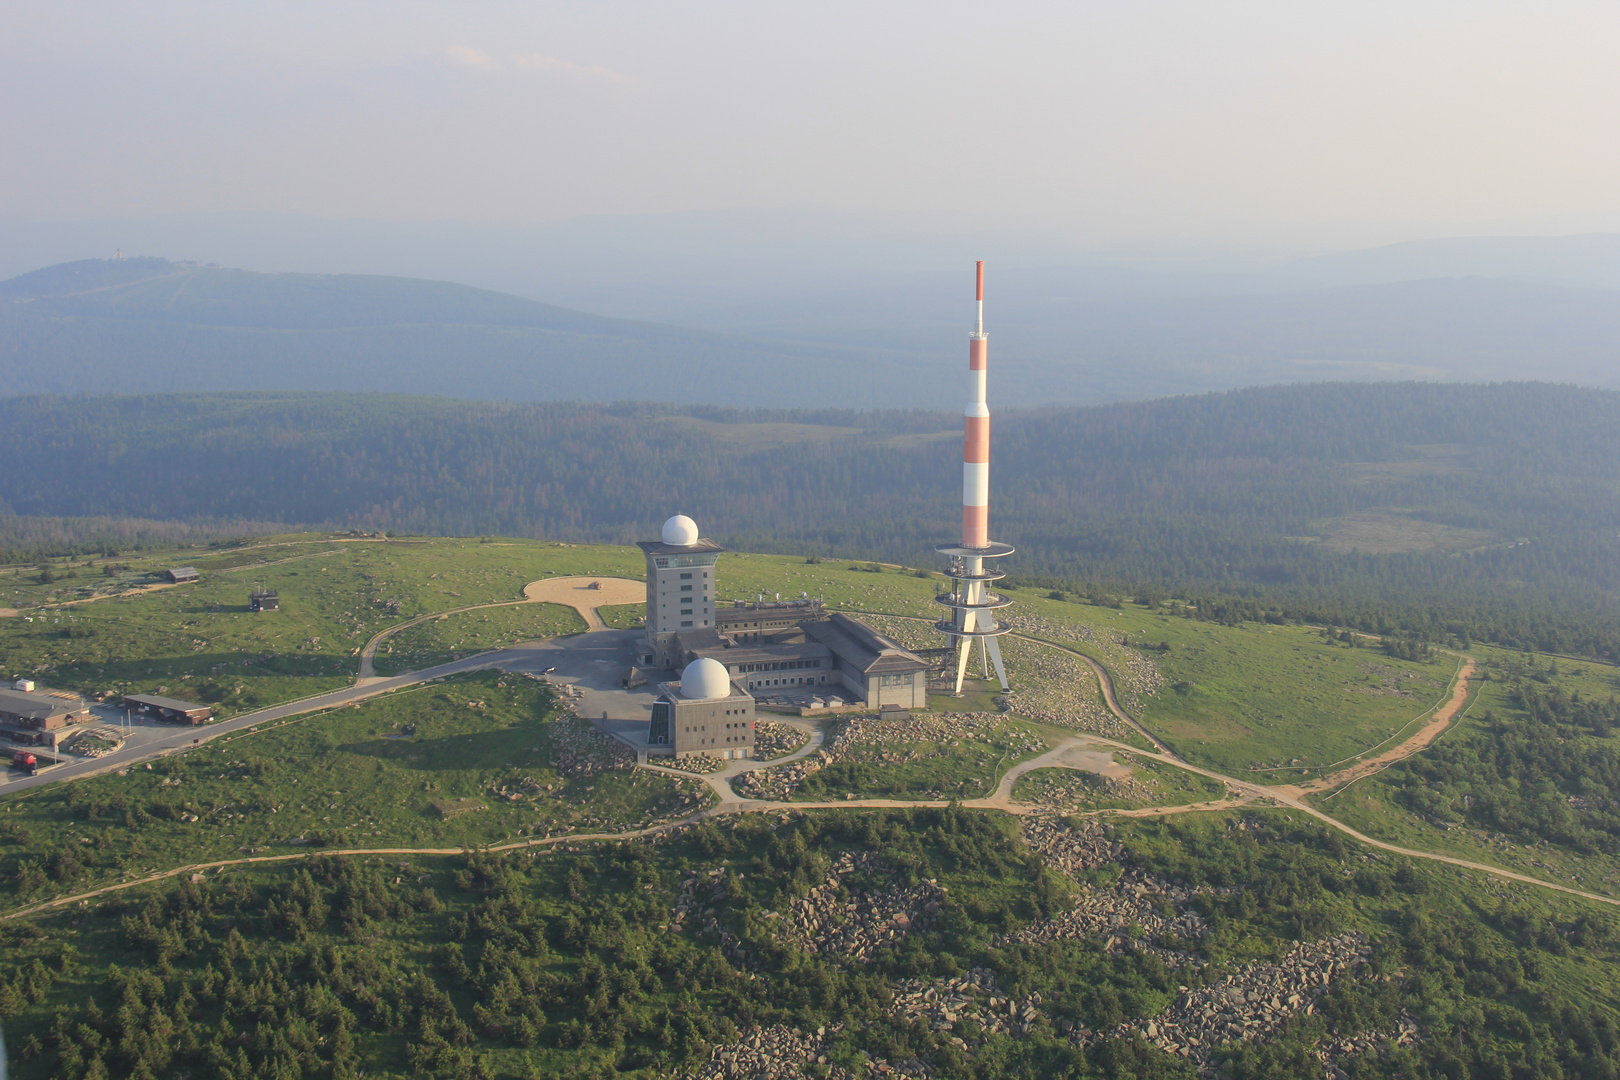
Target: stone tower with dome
(704,713)
(680,588)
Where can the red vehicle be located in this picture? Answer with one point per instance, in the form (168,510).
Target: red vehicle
(22,759)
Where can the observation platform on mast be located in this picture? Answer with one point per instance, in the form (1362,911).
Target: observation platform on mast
(971,594)
(957,551)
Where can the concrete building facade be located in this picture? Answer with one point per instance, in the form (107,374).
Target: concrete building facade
(702,713)
(874,667)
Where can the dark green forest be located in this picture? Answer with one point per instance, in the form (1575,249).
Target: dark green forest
(493,967)
(1451,511)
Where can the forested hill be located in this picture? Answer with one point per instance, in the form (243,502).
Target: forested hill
(101,326)
(1356,495)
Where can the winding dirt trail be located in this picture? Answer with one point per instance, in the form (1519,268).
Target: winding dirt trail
(1438,722)
(1078,752)
(573,592)
(1241,793)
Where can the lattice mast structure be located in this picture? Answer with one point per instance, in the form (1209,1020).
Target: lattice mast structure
(971,604)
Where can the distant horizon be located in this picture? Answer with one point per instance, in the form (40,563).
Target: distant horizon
(1297,243)
(1254,124)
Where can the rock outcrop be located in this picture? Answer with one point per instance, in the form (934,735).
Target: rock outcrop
(882,909)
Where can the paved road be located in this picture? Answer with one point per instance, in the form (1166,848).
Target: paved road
(592,663)
(180,738)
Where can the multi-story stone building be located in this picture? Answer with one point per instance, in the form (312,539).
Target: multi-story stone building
(680,588)
(767,647)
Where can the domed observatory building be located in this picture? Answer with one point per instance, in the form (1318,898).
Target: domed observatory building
(704,713)
(680,588)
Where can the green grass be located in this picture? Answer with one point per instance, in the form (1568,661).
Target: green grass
(623,616)
(349,777)
(1237,699)
(200,641)
(1272,703)
(1150,784)
(743,576)
(1371,806)
(947,765)
(451,637)
(978,696)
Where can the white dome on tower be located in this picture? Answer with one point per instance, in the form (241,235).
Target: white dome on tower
(705,679)
(680,531)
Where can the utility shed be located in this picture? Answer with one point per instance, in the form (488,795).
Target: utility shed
(264,600)
(168,709)
(182,574)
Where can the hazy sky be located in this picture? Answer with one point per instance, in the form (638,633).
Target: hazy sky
(1362,121)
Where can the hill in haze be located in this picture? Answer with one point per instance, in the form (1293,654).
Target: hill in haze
(1060,334)
(100,326)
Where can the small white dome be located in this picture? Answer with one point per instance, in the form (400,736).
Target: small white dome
(680,531)
(705,679)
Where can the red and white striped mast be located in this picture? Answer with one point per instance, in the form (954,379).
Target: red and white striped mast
(971,603)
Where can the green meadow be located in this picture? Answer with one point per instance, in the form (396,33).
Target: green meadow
(935,766)
(1529,794)
(1271,703)
(451,637)
(372,775)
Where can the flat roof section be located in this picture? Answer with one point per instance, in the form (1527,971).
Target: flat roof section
(172,704)
(658,547)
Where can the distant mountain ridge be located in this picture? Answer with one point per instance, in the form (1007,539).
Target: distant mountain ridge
(157,289)
(1059,334)
(99,326)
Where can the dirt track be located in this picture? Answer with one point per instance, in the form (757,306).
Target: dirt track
(574,592)
(1076,752)
(1430,731)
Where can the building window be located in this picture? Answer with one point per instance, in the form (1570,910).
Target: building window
(687,611)
(687,625)
(686,588)
(686,577)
